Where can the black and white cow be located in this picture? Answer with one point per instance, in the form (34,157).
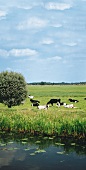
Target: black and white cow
(43,107)
(31,97)
(61,104)
(35,104)
(34,101)
(73,100)
(52,101)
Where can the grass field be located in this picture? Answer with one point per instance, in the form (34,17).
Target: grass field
(54,121)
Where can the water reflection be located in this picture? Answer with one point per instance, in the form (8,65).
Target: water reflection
(21,151)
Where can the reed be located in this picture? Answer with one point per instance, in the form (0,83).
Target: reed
(44,123)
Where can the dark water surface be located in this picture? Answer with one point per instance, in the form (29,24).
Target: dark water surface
(24,152)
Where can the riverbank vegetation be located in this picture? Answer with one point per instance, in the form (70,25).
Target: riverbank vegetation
(58,121)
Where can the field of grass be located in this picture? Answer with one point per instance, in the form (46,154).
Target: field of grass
(54,121)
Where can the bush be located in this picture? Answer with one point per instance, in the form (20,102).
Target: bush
(12,88)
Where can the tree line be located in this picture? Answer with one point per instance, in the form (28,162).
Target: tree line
(61,83)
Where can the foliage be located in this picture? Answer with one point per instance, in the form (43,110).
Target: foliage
(12,88)
(60,83)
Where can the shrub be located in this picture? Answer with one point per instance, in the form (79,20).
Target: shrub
(12,88)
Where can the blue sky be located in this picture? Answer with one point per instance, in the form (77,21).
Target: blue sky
(45,40)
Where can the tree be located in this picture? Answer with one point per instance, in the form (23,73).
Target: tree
(12,88)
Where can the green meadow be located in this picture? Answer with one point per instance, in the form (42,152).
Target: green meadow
(58,121)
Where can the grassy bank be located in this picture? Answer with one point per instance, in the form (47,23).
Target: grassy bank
(54,121)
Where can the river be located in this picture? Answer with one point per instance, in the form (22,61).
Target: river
(24,152)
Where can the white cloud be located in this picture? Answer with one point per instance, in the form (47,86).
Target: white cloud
(49,59)
(56,25)
(9,69)
(27,7)
(23,4)
(32,22)
(3,13)
(57,6)
(56,58)
(71,44)
(18,52)
(3,53)
(47,41)
(22,52)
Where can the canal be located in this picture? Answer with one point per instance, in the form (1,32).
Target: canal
(24,152)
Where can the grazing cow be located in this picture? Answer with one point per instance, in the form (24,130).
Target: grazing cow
(52,101)
(73,100)
(34,101)
(85,98)
(31,97)
(69,106)
(61,104)
(43,107)
(35,104)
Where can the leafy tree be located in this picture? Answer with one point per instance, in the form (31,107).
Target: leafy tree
(12,88)
(42,83)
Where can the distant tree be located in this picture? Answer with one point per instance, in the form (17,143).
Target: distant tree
(12,88)
(42,83)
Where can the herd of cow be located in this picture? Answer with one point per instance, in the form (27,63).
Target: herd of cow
(51,102)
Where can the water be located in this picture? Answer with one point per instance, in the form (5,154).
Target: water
(24,152)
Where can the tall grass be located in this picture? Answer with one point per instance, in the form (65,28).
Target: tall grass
(54,121)
(44,122)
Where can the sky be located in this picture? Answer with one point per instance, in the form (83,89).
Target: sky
(44,40)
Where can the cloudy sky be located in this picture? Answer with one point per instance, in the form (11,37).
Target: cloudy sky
(45,40)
